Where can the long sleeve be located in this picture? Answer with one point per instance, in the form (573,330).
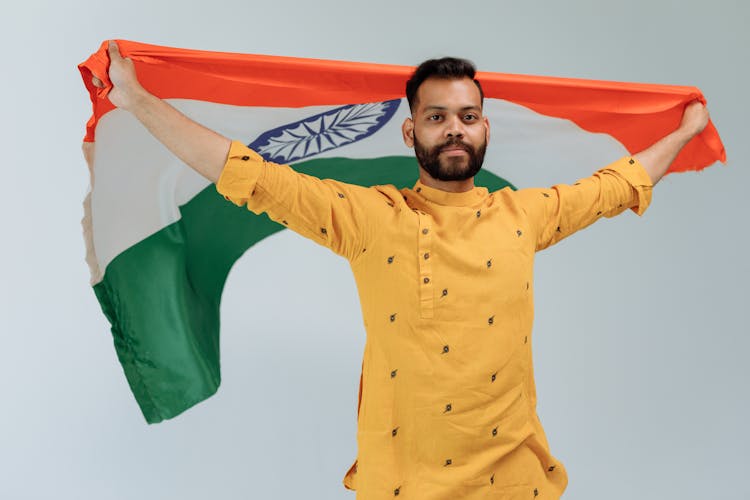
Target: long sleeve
(334,214)
(563,209)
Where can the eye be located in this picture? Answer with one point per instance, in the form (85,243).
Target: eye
(434,117)
(469,117)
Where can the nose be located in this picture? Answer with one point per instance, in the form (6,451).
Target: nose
(454,127)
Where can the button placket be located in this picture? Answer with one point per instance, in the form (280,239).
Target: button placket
(426,297)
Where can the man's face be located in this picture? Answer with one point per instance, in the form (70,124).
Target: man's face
(447,129)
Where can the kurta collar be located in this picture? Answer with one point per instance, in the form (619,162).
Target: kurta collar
(440,197)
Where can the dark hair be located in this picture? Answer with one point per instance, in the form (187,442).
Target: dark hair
(447,68)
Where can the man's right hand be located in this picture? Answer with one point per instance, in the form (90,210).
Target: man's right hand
(199,147)
(125,86)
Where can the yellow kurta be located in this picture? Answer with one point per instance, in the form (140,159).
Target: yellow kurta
(447,400)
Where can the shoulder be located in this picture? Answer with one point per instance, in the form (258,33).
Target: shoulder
(521,197)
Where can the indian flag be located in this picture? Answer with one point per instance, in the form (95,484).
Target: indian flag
(161,241)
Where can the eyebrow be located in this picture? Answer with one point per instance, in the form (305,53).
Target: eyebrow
(443,108)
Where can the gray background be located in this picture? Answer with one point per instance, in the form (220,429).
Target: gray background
(641,336)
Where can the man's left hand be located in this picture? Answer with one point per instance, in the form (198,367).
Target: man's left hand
(694,119)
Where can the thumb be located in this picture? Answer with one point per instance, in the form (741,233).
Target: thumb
(114,50)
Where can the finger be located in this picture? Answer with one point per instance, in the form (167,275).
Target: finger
(114,50)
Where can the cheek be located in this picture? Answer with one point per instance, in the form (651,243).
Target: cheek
(479,135)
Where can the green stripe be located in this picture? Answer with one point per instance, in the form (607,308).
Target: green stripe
(162,295)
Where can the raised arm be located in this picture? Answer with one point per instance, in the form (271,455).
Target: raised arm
(657,158)
(199,147)
(340,216)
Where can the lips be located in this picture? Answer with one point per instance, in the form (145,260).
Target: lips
(454,150)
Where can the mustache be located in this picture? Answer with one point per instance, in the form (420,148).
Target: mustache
(455,142)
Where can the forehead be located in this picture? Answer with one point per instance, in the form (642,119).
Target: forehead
(448,93)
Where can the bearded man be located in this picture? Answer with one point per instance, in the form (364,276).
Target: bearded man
(444,273)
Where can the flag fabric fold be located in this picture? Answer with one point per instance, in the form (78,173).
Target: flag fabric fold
(161,242)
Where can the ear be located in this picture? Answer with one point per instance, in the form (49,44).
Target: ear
(486,129)
(407,131)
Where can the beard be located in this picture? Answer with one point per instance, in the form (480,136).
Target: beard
(450,169)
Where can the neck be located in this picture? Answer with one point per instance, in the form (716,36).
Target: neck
(450,186)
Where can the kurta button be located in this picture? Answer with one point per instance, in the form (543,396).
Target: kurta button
(425,231)
(323,230)
(445,292)
(245,158)
(446,348)
(426,280)
(426,255)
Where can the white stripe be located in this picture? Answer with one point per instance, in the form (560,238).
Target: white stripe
(140,185)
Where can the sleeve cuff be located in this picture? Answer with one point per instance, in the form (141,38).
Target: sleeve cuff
(633,172)
(240,173)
